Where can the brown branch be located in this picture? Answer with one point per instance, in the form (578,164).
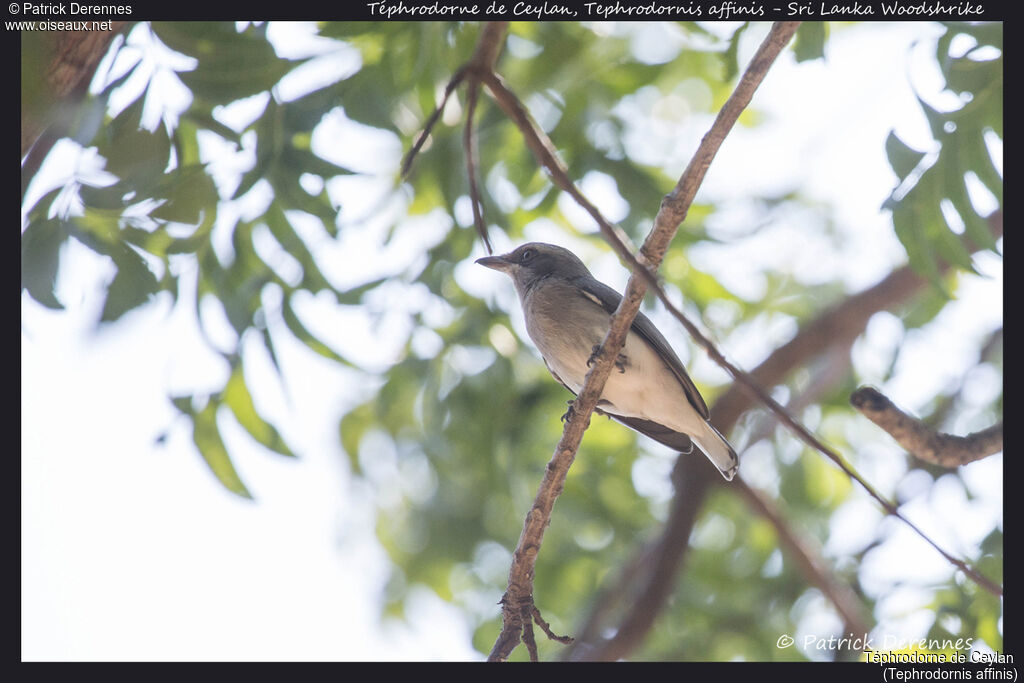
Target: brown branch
(922,441)
(781,32)
(686,514)
(836,327)
(673,210)
(807,558)
(544,150)
(46,117)
(73,57)
(469,143)
(432,121)
(692,482)
(809,561)
(485,56)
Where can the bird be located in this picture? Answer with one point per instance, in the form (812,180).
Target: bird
(568,313)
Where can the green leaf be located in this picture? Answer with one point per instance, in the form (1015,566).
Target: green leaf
(902,157)
(237,397)
(40,259)
(307,337)
(109,198)
(206,435)
(284,233)
(268,341)
(810,41)
(354,295)
(132,286)
(191,196)
(731,55)
(353,426)
(134,154)
(924,308)
(206,121)
(980,161)
(183,403)
(912,235)
(269,135)
(231,66)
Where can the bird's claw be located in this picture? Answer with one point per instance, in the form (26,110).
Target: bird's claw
(569,411)
(620,362)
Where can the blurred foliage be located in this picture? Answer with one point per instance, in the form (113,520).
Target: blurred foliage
(932,208)
(455,440)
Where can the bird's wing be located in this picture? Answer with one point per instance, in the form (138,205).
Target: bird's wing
(602,294)
(677,441)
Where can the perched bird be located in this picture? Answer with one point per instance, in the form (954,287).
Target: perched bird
(568,313)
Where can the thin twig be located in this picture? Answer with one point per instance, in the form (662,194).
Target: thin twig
(546,627)
(922,441)
(485,56)
(468,141)
(526,619)
(434,116)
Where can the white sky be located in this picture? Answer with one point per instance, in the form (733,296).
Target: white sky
(133,551)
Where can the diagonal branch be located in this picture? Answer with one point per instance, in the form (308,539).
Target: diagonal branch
(922,441)
(670,555)
(694,478)
(421,139)
(673,210)
(544,150)
(469,143)
(689,477)
(809,561)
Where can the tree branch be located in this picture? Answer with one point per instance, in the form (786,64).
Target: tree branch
(810,562)
(469,144)
(834,328)
(922,441)
(45,118)
(673,210)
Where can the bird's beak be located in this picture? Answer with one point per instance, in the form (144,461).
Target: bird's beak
(496,262)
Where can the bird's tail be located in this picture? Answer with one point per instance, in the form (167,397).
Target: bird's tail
(718,450)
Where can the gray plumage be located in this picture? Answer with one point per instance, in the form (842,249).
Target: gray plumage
(568,313)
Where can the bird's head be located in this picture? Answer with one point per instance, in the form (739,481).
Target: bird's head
(532,262)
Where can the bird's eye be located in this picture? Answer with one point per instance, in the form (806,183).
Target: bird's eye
(527,255)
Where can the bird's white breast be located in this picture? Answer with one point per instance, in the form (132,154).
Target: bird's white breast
(647,388)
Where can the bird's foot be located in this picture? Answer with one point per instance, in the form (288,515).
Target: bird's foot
(620,362)
(569,411)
